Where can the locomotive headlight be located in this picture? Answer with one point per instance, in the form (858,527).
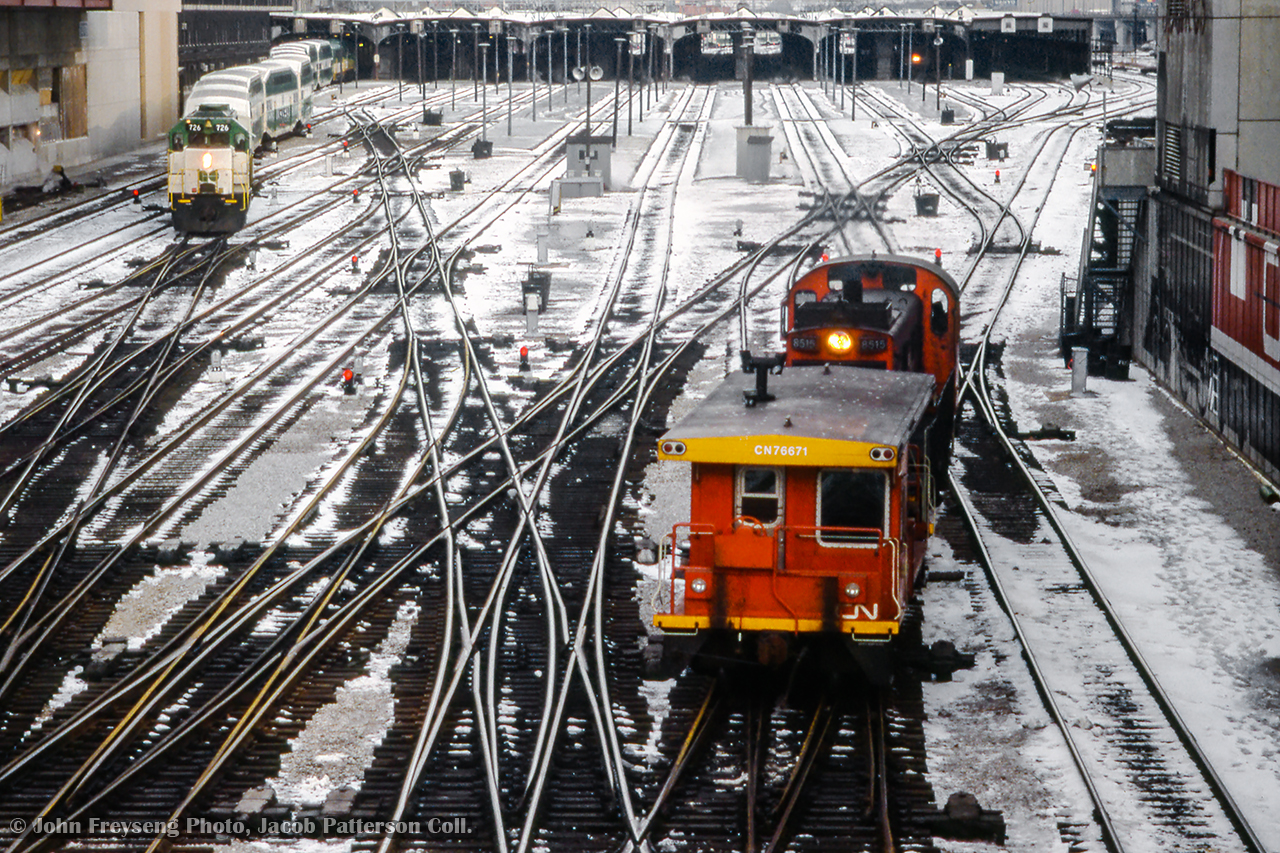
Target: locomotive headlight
(852,590)
(839,342)
(207,161)
(698,585)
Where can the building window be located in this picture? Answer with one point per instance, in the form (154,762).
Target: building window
(759,494)
(853,502)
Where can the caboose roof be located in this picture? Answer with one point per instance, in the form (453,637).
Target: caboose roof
(818,418)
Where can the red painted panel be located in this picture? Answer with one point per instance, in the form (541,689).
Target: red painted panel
(1245,317)
(1265,210)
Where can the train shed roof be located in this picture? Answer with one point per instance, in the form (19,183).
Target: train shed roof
(817,418)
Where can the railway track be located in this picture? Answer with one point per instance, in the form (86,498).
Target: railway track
(1149,785)
(469,549)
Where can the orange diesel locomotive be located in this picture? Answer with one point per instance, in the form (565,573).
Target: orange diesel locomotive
(811,497)
(885,312)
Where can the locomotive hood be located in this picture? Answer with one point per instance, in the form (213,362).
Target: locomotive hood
(846,416)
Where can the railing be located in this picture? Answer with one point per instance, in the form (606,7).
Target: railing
(729,550)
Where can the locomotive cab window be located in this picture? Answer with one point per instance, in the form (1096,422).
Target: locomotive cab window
(758,494)
(804,297)
(852,506)
(939,315)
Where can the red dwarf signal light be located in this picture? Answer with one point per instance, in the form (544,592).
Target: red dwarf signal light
(997,176)
(348,376)
(825,257)
(137,199)
(355,263)
(937,256)
(524,358)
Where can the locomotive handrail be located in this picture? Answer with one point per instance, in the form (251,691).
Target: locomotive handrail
(866,534)
(694,529)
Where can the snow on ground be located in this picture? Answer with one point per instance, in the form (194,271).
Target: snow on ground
(145,609)
(336,746)
(1177,537)
(1195,593)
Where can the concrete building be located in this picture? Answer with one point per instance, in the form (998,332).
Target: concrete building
(83,80)
(1207,311)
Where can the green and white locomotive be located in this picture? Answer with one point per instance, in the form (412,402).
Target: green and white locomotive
(210,171)
(229,114)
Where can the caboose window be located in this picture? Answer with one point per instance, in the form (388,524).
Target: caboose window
(851,506)
(759,494)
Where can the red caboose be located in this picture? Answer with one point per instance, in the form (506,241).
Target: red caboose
(809,514)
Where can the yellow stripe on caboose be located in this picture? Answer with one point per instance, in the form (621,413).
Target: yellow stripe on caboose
(678,623)
(779,450)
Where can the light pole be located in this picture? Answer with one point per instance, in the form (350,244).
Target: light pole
(475,54)
(565,56)
(937,71)
(550,71)
(911,54)
(840,53)
(510,79)
(531,68)
(902,52)
(853,96)
(399,63)
(833,51)
(577,56)
(617,79)
(652,84)
(356,52)
(631,68)
(422,87)
(484,93)
(817,50)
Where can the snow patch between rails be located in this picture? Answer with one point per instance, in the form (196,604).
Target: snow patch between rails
(72,686)
(144,610)
(336,746)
